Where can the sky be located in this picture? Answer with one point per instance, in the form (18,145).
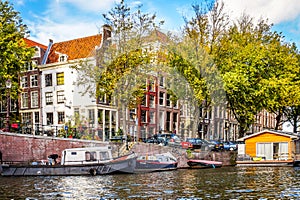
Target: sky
(63,20)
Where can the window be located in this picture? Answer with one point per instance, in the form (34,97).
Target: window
(49,98)
(152,101)
(26,118)
(90,156)
(24,82)
(63,58)
(168,101)
(104,156)
(29,66)
(60,78)
(161,98)
(143,116)
(33,81)
(152,117)
(49,118)
(48,80)
(161,81)
(61,117)
(91,116)
(76,112)
(34,99)
(132,114)
(36,52)
(36,117)
(151,85)
(143,100)
(24,100)
(60,96)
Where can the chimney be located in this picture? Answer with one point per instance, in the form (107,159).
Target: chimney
(106,29)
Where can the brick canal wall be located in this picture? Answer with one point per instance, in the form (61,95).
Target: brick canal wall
(25,148)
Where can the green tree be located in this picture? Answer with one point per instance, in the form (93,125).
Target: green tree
(14,54)
(123,61)
(255,66)
(190,56)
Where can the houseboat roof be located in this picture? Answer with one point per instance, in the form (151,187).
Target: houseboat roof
(90,148)
(291,135)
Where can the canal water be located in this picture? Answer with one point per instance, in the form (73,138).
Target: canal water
(220,183)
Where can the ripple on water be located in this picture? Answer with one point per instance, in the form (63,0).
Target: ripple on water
(221,183)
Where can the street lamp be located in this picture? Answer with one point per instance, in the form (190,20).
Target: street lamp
(8,86)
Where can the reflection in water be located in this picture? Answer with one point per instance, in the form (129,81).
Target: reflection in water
(221,183)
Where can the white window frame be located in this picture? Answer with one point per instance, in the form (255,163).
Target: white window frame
(34,80)
(24,100)
(34,99)
(24,82)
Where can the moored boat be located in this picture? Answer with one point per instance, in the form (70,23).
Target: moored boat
(194,163)
(156,162)
(76,161)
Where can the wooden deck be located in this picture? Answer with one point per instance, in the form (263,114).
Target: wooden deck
(265,163)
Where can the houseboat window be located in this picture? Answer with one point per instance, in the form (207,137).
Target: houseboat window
(90,156)
(87,156)
(93,156)
(104,156)
(73,153)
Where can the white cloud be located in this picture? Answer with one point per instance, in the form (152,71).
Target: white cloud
(68,19)
(90,5)
(61,31)
(276,11)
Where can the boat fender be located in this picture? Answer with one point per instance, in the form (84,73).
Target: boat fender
(93,171)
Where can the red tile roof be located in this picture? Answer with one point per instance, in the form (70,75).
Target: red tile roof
(31,43)
(74,49)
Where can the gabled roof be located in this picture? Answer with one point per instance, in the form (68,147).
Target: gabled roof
(268,131)
(74,49)
(157,35)
(31,43)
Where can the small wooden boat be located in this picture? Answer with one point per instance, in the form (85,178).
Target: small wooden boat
(204,164)
(296,163)
(75,161)
(156,162)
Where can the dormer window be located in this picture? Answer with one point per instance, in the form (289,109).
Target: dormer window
(34,63)
(37,52)
(63,58)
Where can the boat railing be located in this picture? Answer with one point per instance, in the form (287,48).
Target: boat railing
(14,162)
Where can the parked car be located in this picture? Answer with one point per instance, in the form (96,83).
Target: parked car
(207,146)
(218,146)
(151,140)
(174,141)
(164,138)
(192,143)
(230,146)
